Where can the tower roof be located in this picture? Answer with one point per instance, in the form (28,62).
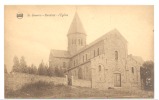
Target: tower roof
(76,26)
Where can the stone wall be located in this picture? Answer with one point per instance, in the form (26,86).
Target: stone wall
(81,83)
(59,62)
(17,80)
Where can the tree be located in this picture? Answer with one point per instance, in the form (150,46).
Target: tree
(147,75)
(51,71)
(46,69)
(42,70)
(59,72)
(33,69)
(5,69)
(23,65)
(16,65)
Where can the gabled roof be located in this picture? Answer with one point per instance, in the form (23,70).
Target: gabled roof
(114,31)
(76,26)
(136,58)
(60,53)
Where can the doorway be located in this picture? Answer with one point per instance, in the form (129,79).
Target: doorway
(117,80)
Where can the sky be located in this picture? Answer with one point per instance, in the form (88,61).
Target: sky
(35,35)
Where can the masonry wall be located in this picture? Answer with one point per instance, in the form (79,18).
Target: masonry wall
(59,62)
(82,60)
(109,64)
(133,71)
(81,83)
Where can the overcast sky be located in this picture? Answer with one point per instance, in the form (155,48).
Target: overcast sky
(34,37)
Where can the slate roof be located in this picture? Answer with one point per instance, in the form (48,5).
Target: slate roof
(60,53)
(137,58)
(76,26)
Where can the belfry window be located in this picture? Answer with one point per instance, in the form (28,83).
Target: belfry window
(116,55)
(99,68)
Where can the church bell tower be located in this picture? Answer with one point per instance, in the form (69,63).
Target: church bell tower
(76,35)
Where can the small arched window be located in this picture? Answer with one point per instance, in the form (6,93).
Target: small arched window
(74,63)
(75,72)
(132,70)
(116,55)
(94,53)
(72,41)
(98,51)
(64,64)
(100,68)
(75,41)
(79,41)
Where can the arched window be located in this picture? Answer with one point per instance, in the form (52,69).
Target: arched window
(64,64)
(72,41)
(80,74)
(132,69)
(100,68)
(83,58)
(79,41)
(116,55)
(98,51)
(74,63)
(86,57)
(75,72)
(75,41)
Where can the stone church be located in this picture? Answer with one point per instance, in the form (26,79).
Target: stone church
(105,62)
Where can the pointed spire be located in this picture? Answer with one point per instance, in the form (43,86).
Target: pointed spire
(76,26)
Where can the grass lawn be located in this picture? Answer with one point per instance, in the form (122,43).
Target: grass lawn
(49,90)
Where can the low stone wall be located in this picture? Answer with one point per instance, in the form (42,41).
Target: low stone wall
(17,80)
(81,83)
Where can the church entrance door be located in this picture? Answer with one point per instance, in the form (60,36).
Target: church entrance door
(117,80)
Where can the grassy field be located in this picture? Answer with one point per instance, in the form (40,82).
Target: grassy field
(42,89)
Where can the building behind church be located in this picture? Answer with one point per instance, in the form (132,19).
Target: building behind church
(105,62)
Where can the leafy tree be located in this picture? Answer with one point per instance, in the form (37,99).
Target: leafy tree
(16,64)
(23,65)
(147,75)
(59,72)
(34,69)
(51,71)
(42,70)
(46,69)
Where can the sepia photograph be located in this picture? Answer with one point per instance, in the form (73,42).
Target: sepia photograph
(79,51)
